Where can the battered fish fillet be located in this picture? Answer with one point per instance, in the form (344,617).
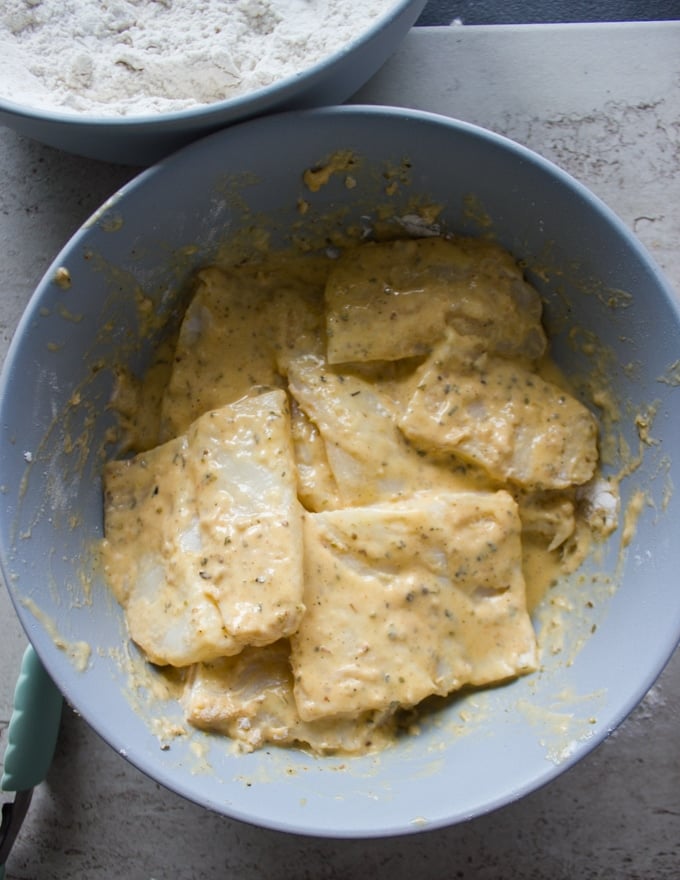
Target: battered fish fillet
(502,417)
(250,698)
(409,599)
(203,535)
(391,300)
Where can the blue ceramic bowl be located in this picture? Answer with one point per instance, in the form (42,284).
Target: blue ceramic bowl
(604,297)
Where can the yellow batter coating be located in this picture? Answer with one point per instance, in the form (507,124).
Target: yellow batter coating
(360,462)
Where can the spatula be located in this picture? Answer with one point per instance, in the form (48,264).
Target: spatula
(31,739)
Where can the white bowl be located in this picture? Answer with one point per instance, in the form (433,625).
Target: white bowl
(143,139)
(482,750)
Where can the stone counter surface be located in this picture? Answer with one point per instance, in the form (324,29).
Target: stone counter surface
(602,101)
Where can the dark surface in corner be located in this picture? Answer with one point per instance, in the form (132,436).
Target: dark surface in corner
(443,12)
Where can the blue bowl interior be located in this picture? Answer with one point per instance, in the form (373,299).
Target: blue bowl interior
(482,750)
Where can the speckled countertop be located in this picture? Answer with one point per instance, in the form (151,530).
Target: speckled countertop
(603,101)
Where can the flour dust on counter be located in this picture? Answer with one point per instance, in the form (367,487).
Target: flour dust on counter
(367,472)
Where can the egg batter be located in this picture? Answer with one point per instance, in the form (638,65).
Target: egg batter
(366,473)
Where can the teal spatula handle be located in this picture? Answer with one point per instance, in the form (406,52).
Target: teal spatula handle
(33,728)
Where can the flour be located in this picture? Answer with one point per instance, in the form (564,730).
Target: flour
(135,57)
